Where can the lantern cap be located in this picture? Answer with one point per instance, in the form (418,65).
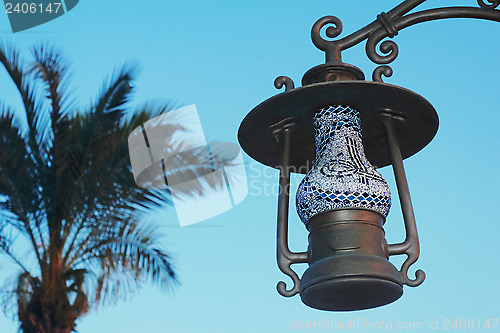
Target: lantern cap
(416,126)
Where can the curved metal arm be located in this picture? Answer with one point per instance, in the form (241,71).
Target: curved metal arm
(410,246)
(388,25)
(391,49)
(284,256)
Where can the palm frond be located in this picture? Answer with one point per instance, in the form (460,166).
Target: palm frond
(126,256)
(49,68)
(19,182)
(36,115)
(108,185)
(116,93)
(6,242)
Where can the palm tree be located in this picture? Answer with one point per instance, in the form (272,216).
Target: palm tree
(67,190)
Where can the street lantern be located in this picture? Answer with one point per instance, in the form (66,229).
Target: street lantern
(338,129)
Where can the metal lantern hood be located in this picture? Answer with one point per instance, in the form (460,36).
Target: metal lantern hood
(338,128)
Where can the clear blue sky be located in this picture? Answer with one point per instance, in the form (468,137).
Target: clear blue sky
(223,56)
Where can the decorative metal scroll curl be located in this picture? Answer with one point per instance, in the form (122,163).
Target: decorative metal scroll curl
(284,80)
(381,70)
(387,25)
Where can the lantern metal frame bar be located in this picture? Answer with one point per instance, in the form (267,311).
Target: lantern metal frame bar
(410,246)
(285,257)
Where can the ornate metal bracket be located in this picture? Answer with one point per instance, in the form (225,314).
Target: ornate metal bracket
(388,25)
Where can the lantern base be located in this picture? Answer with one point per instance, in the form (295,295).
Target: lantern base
(349,267)
(335,284)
